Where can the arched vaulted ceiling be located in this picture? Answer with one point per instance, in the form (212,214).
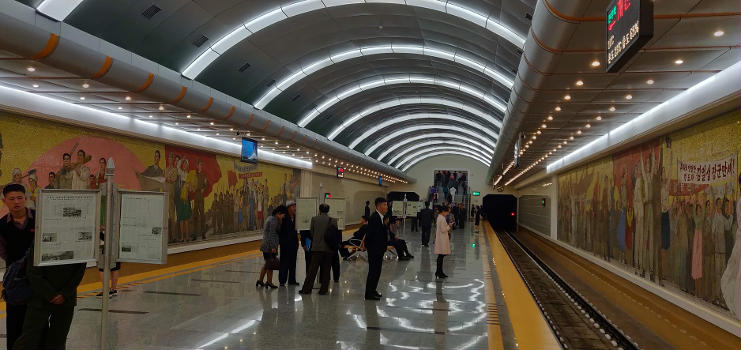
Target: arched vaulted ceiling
(319,63)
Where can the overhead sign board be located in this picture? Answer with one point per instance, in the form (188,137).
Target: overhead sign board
(630,24)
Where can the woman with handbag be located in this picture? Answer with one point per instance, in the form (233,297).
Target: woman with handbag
(269,246)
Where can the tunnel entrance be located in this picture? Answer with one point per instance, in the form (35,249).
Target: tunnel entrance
(501,210)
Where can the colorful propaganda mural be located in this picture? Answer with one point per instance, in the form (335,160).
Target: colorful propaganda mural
(211,196)
(667,210)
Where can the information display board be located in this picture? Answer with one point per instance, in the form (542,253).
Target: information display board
(306,208)
(413,208)
(630,24)
(141,220)
(337,210)
(397,209)
(67,227)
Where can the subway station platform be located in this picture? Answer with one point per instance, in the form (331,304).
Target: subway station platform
(214,304)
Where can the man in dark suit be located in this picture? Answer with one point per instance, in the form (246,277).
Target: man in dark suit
(426,216)
(288,247)
(367,212)
(321,251)
(376,241)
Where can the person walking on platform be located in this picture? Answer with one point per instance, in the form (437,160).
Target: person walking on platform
(442,241)
(321,251)
(16,237)
(269,247)
(288,247)
(51,308)
(425,217)
(376,241)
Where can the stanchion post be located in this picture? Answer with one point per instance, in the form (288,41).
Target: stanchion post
(107,240)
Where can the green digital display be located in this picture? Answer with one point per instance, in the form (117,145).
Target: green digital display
(476,193)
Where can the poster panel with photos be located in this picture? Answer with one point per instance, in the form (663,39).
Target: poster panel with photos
(337,210)
(397,208)
(141,221)
(305,209)
(67,226)
(413,208)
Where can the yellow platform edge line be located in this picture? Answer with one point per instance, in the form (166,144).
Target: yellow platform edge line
(530,327)
(494,330)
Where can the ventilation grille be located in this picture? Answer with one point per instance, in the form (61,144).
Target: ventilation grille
(244,67)
(151,11)
(200,41)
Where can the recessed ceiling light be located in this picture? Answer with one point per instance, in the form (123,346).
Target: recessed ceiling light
(234,138)
(650,81)
(559,146)
(128,98)
(199,129)
(718,33)
(188,116)
(612,108)
(565,142)
(231,129)
(550,117)
(571,137)
(35,85)
(211,123)
(628,97)
(578,132)
(161,108)
(82,98)
(176,123)
(544,126)
(218,134)
(276,142)
(567,97)
(557,109)
(538,132)
(85,85)
(120,108)
(153,117)
(588,126)
(263,139)
(579,83)
(535,137)
(599,117)
(30,69)
(679,61)
(595,63)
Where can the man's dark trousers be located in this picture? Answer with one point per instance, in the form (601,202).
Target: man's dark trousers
(426,234)
(46,327)
(14,322)
(287,271)
(375,264)
(319,260)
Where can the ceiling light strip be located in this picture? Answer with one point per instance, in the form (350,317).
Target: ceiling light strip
(440,153)
(440,143)
(400,79)
(441,137)
(423,117)
(414,101)
(453,56)
(404,164)
(417,129)
(58,9)
(253,25)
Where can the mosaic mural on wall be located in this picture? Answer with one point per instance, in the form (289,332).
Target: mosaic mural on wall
(667,210)
(211,196)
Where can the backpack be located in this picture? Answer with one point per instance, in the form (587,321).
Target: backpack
(16,288)
(333,236)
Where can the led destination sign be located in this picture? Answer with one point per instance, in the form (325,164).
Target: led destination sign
(630,24)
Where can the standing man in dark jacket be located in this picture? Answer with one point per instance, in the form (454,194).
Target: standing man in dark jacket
(321,251)
(367,209)
(376,241)
(288,247)
(426,216)
(16,237)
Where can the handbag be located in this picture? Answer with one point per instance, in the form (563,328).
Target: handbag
(273,263)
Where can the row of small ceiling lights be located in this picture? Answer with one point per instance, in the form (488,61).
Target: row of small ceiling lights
(534,136)
(295,151)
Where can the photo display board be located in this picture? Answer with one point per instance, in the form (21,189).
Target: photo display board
(337,210)
(413,208)
(142,227)
(67,227)
(397,209)
(306,208)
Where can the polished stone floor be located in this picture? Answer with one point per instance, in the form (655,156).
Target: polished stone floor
(220,308)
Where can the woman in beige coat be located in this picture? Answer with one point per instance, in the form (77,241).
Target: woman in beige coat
(442,240)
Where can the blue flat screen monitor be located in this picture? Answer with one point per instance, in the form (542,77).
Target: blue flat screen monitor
(380,181)
(249,150)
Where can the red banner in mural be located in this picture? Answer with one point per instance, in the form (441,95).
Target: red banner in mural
(250,175)
(705,173)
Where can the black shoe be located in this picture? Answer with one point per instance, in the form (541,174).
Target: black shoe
(282,284)
(410,256)
(372,297)
(403,258)
(259,284)
(377,294)
(293,283)
(270,285)
(303,292)
(336,281)
(440,275)
(323,293)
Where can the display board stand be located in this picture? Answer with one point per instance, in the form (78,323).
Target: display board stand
(337,210)
(306,208)
(107,240)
